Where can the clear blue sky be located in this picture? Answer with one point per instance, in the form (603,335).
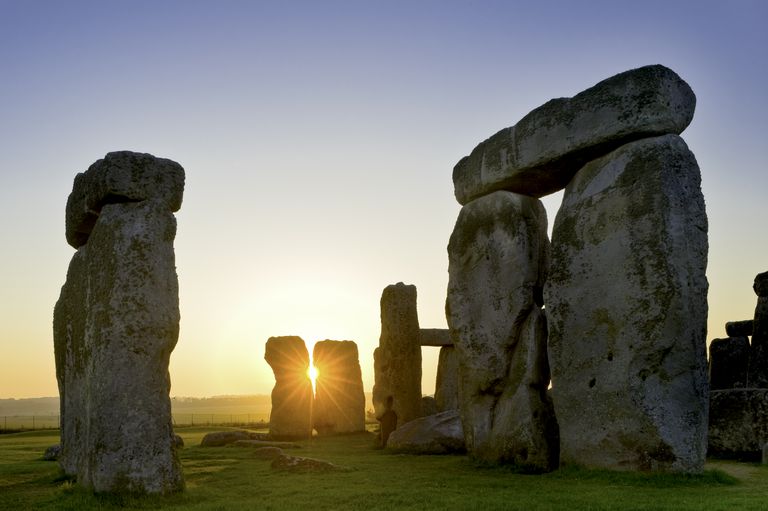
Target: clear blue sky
(318,140)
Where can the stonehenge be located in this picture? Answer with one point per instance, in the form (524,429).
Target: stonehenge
(339,396)
(615,307)
(738,378)
(291,415)
(116,323)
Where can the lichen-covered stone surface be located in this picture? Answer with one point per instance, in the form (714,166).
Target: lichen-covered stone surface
(339,395)
(115,325)
(292,399)
(626,300)
(497,265)
(738,423)
(121,176)
(447,382)
(397,360)
(541,153)
(441,433)
(728,362)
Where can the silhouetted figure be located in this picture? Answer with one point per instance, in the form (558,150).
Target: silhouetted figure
(388,421)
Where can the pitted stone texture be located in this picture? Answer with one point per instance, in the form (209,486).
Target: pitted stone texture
(497,264)
(738,423)
(122,176)
(434,434)
(115,325)
(541,153)
(435,337)
(627,306)
(447,384)
(291,414)
(728,362)
(70,350)
(739,328)
(339,397)
(397,360)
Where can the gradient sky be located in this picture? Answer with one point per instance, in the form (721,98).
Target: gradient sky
(318,140)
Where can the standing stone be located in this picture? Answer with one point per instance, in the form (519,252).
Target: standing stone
(738,423)
(115,325)
(291,414)
(728,362)
(397,360)
(758,362)
(339,399)
(541,153)
(627,307)
(447,384)
(497,265)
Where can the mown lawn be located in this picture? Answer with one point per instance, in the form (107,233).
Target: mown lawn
(234,479)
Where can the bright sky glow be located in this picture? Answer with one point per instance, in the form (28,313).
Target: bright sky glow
(318,140)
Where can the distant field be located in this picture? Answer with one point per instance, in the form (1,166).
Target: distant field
(42,413)
(233,479)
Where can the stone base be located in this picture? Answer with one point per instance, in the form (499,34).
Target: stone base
(738,423)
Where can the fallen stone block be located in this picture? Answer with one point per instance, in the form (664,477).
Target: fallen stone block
(297,464)
(441,433)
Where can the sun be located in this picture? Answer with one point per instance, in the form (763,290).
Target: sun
(312,373)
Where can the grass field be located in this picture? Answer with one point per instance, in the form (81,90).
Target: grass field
(233,479)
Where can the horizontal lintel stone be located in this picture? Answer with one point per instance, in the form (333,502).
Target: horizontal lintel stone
(542,152)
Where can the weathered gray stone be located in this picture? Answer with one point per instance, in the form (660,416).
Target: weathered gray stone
(397,360)
(178,442)
(627,306)
(738,423)
(447,383)
(541,153)
(739,328)
(122,176)
(291,414)
(287,463)
(435,337)
(339,395)
(728,362)
(52,453)
(434,434)
(497,264)
(115,325)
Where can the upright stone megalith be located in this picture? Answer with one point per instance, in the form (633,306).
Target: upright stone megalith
(397,360)
(116,323)
(497,265)
(339,396)
(291,415)
(758,359)
(626,300)
(447,381)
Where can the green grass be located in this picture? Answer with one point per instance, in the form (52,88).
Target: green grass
(233,479)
